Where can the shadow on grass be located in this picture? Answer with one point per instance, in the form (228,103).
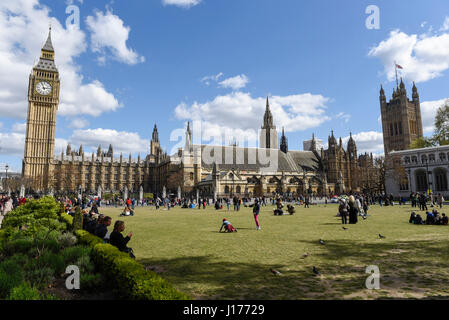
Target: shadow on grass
(408,267)
(234,280)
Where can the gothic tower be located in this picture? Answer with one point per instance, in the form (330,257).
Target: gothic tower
(352,164)
(284,142)
(401,119)
(268,135)
(43,100)
(155,144)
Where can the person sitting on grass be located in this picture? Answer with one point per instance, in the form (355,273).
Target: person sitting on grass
(412,217)
(418,219)
(291,209)
(127,212)
(444,219)
(430,218)
(117,240)
(101,230)
(217,205)
(227,226)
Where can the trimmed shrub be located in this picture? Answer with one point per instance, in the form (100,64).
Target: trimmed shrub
(87,238)
(24,292)
(127,275)
(131,278)
(78,220)
(67,219)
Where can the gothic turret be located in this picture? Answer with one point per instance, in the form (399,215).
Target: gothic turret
(268,135)
(284,142)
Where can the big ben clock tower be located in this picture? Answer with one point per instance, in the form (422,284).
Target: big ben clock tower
(43,100)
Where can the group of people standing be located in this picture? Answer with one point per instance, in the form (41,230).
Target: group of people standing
(351,208)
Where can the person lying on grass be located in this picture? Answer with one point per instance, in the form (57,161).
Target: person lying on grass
(227,226)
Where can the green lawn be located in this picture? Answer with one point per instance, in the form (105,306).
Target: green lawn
(185,247)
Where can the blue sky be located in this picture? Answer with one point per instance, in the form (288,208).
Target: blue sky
(219,59)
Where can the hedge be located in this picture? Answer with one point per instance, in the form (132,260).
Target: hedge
(68,219)
(131,279)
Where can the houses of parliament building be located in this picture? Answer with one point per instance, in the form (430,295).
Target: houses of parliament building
(335,170)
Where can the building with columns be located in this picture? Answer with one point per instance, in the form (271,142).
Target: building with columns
(418,170)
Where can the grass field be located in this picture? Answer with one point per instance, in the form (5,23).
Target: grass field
(184,246)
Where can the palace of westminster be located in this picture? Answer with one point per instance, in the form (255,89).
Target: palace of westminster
(314,170)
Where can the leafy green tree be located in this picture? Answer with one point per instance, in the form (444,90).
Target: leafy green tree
(441,135)
(423,142)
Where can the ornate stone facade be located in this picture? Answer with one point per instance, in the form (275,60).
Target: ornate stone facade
(401,119)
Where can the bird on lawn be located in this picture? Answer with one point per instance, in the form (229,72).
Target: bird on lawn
(364,217)
(305,255)
(381,236)
(275,272)
(322,241)
(345,228)
(315,271)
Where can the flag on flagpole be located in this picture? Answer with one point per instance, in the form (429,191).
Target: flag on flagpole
(398,66)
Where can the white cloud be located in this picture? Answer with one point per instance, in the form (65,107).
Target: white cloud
(242,114)
(428,112)
(12,143)
(78,123)
(343,116)
(19,127)
(423,57)
(109,34)
(181,3)
(368,141)
(445,26)
(236,83)
(126,142)
(23,31)
(207,79)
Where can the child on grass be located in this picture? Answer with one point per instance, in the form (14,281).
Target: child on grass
(228,226)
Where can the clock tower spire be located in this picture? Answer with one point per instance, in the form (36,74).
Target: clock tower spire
(43,101)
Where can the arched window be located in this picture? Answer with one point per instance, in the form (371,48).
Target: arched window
(226,189)
(442,156)
(431,157)
(440,179)
(414,159)
(407,160)
(238,189)
(421,180)
(423,158)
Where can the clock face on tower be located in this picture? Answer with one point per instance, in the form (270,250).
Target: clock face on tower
(43,88)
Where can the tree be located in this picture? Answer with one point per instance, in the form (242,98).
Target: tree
(423,142)
(441,135)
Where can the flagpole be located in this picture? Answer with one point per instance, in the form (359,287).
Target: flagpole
(396,69)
